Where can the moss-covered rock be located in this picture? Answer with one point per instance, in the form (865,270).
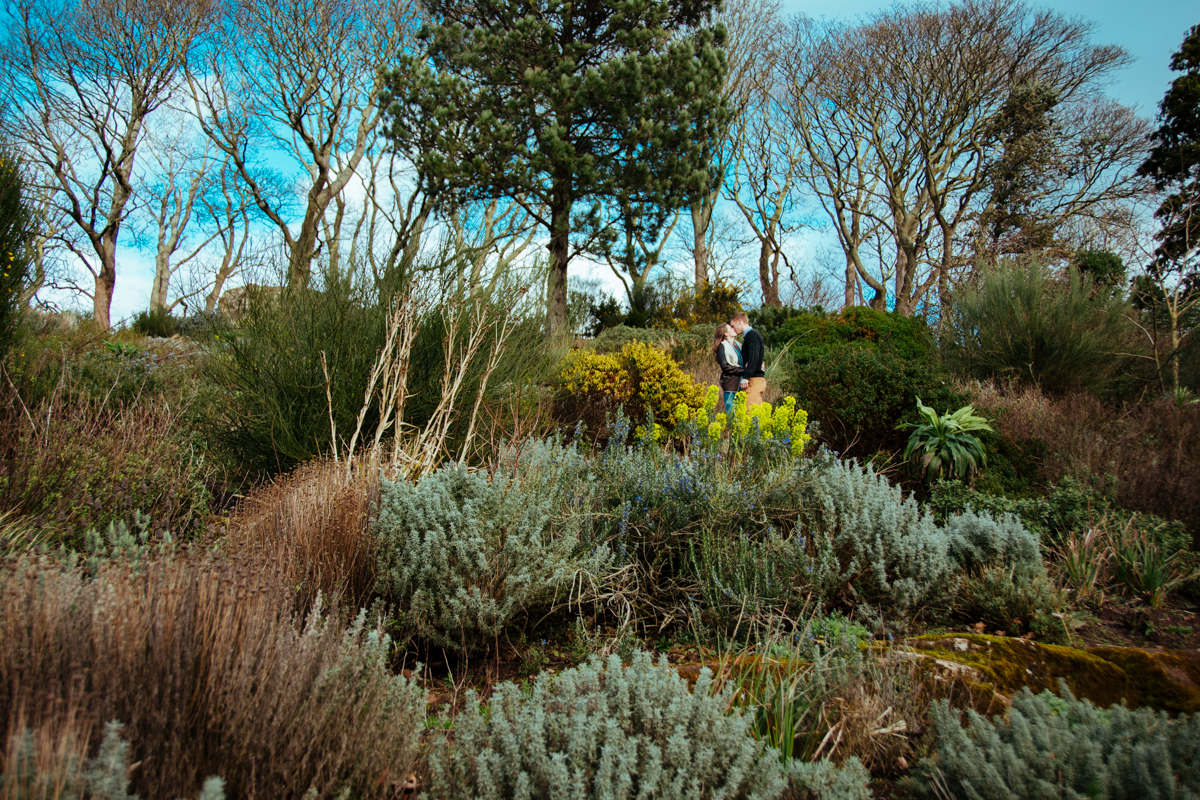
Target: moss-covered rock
(1167,680)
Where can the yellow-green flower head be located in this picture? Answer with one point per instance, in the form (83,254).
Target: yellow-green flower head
(682,412)
(711,398)
(715,429)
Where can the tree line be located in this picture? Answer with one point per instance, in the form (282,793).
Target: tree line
(927,138)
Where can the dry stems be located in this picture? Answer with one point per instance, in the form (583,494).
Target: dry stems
(212,673)
(313,524)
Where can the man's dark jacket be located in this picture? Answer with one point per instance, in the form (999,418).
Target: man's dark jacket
(752,355)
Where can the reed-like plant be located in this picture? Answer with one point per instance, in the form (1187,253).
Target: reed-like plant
(1146,571)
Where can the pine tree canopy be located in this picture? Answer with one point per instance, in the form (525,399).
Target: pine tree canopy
(555,103)
(1174,160)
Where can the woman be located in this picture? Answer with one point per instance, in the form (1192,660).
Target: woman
(729,358)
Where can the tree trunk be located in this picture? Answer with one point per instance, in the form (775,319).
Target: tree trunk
(304,249)
(106,279)
(770,288)
(851,285)
(701,217)
(162,281)
(559,247)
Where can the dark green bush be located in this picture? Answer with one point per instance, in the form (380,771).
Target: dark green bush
(814,334)
(15,233)
(155,322)
(1025,323)
(858,395)
(1060,747)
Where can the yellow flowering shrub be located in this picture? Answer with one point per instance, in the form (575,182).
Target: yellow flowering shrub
(784,424)
(640,377)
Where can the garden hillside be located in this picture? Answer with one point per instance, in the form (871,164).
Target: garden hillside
(377,498)
(380,512)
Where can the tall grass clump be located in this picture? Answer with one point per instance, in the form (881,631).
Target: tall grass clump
(1026,323)
(210,671)
(603,730)
(71,464)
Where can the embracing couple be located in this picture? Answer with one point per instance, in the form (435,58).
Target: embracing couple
(741,367)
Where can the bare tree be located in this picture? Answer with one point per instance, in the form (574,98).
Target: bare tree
(925,89)
(304,77)
(749,26)
(81,80)
(765,168)
(177,174)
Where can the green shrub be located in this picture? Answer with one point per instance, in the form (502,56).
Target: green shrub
(946,443)
(1023,322)
(16,230)
(859,395)
(155,322)
(745,580)
(1013,600)
(463,553)
(812,335)
(1063,748)
(605,731)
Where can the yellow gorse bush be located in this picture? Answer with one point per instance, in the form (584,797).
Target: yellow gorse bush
(639,376)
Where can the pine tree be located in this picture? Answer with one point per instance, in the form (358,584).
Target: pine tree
(15,232)
(555,103)
(1174,161)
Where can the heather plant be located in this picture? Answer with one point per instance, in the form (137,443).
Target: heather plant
(464,553)
(1057,746)
(68,465)
(46,766)
(314,523)
(1013,600)
(604,730)
(211,672)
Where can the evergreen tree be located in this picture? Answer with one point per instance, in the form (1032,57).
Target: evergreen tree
(1174,161)
(15,231)
(555,103)
(1171,290)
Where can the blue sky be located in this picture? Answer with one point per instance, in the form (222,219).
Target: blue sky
(1151,30)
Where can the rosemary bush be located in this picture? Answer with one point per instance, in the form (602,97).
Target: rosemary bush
(463,553)
(606,731)
(1065,748)
(824,780)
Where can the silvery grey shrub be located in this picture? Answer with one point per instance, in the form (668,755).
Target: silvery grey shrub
(602,731)
(463,552)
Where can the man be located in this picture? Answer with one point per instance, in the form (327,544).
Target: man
(754,380)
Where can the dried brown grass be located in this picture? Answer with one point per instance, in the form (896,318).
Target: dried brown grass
(1151,448)
(70,464)
(45,752)
(313,524)
(212,673)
